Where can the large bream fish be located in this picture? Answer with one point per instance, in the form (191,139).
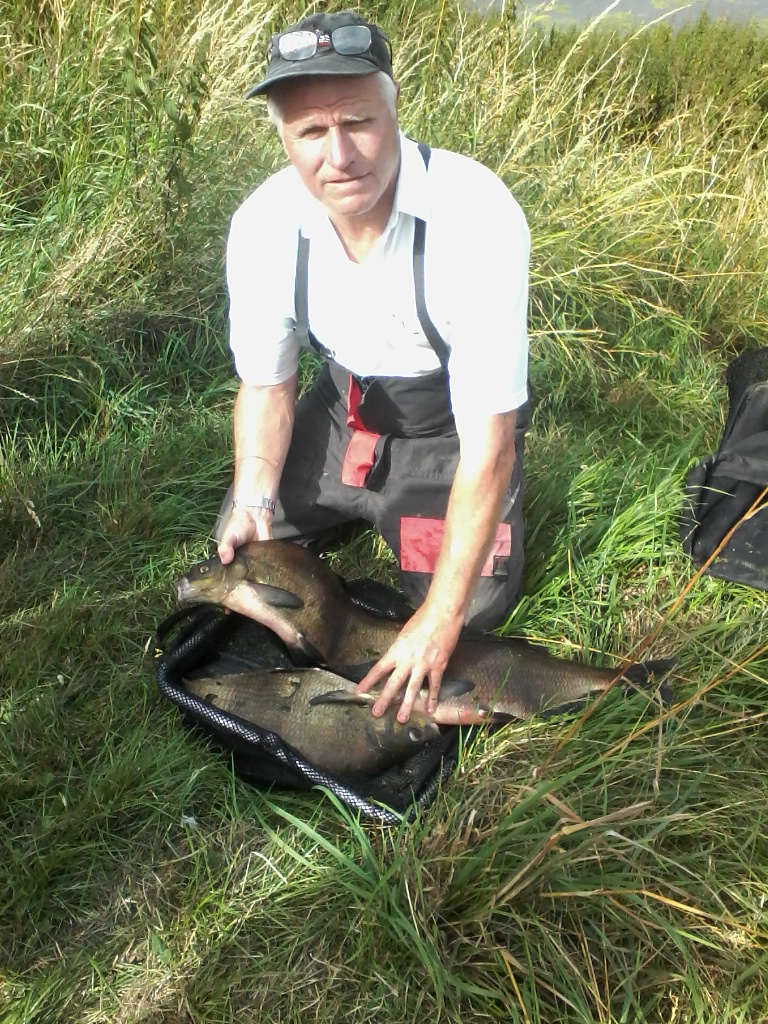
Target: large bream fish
(296,595)
(320,716)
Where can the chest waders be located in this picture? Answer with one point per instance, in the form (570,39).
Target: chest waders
(385,450)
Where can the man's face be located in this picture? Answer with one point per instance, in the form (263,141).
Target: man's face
(341,135)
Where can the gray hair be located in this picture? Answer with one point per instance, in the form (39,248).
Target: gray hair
(386,85)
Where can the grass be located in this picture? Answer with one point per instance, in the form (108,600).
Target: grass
(607,868)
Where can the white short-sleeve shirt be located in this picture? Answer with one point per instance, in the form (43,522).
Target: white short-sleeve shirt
(476,283)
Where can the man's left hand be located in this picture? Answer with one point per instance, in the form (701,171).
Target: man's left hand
(420,654)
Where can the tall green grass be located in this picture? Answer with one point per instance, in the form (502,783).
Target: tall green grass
(606,868)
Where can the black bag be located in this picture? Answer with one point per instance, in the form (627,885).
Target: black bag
(211,640)
(722,488)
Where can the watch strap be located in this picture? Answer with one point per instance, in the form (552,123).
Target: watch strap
(261,501)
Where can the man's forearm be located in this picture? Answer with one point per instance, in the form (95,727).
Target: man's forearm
(472,518)
(263,424)
(263,429)
(425,643)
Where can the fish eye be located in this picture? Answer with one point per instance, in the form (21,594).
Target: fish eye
(204,569)
(414,735)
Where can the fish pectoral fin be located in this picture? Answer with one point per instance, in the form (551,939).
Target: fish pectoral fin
(304,653)
(277,597)
(343,697)
(455,688)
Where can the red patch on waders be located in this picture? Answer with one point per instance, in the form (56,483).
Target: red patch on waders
(360,454)
(422,539)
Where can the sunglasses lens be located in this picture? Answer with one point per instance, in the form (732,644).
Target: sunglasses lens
(351,39)
(297,45)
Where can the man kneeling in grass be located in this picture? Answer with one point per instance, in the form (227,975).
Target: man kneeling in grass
(407,270)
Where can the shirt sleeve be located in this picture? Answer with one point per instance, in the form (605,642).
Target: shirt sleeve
(490,247)
(260,263)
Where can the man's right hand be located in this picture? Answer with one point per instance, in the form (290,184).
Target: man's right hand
(244,525)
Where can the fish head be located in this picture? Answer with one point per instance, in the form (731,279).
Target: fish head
(385,737)
(211,580)
(402,740)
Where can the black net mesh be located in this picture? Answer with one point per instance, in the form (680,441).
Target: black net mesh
(206,641)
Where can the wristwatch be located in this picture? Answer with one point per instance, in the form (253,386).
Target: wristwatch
(257,502)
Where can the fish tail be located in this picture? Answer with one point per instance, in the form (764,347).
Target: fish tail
(643,674)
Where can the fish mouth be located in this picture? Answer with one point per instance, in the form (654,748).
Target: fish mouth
(184,590)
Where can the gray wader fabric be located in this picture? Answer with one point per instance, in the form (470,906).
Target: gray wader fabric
(384,450)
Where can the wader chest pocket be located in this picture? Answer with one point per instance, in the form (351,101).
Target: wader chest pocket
(434,458)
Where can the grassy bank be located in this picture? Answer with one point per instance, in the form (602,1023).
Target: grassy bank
(610,869)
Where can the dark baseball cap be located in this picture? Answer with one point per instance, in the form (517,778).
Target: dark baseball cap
(360,48)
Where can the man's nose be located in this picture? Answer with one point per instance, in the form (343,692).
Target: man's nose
(340,151)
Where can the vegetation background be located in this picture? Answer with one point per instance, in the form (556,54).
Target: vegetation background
(603,868)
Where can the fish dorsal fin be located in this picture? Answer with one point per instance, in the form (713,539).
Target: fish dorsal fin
(278,597)
(343,697)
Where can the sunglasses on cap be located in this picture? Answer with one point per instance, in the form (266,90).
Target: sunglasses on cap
(347,40)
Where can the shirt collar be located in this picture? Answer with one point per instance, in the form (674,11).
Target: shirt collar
(411,194)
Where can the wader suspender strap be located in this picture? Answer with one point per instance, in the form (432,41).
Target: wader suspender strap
(419,237)
(305,337)
(301,298)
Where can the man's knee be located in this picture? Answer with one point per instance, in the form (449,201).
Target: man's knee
(493,602)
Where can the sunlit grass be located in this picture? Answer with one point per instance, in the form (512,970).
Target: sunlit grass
(605,867)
